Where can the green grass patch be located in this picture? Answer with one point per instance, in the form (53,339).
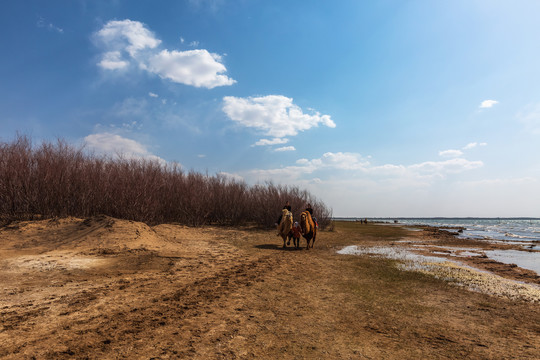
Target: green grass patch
(379,231)
(377,283)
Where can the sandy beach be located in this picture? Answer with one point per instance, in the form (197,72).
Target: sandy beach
(103,288)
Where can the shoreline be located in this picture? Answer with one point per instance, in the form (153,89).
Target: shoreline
(452,244)
(440,253)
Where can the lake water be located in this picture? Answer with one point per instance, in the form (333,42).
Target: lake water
(520,231)
(524,232)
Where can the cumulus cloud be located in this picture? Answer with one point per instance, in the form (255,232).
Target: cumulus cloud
(451,153)
(286,148)
(118,146)
(448,166)
(354,165)
(234,177)
(268,142)
(151,94)
(198,68)
(112,60)
(342,160)
(458,153)
(274,115)
(473,145)
(488,103)
(127,35)
(328,161)
(126,42)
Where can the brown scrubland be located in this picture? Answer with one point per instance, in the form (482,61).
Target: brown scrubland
(58,179)
(105,288)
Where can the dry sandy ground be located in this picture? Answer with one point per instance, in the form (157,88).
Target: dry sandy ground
(103,288)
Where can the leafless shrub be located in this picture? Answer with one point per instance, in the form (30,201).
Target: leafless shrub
(58,179)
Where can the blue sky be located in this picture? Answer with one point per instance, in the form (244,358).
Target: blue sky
(379,108)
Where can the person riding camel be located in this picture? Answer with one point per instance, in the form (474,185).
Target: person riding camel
(288,207)
(310,210)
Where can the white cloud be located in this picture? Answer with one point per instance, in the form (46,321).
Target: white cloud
(118,146)
(286,148)
(441,168)
(274,141)
(342,160)
(275,115)
(488,103)
(194,43)
(198,68)
(127,35)
(151,94)
(328,161)
(112,60)
(355,165)
(473,145)
(451,153)
(230,176)
(127,41)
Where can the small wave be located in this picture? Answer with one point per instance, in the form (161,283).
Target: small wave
(515,236)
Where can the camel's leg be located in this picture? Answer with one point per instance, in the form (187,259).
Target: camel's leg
(313,240)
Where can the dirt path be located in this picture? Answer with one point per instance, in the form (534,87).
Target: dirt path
(107,289)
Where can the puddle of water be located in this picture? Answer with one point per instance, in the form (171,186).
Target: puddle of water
(467,254)
(453,271)
(523,259)
(395,253)
(441,253)
(413,229)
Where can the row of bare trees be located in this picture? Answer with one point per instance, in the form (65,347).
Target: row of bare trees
(58,179)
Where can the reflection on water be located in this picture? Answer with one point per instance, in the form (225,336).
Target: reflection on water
(523,259)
